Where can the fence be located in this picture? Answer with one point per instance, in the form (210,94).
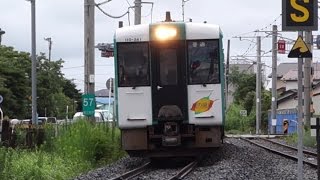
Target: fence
(30,136)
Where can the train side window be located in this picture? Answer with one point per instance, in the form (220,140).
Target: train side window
(133,64)
(203,59)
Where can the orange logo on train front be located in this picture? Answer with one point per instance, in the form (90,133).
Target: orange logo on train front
(202,105)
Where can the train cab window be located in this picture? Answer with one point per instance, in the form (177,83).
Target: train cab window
(168,67)
(133,64)
(203,58)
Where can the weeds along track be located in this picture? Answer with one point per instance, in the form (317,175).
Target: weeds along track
(148,170)
(309,157)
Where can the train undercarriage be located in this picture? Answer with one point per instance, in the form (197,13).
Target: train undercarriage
(171,139)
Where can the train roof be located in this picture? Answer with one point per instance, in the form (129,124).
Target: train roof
(193,31)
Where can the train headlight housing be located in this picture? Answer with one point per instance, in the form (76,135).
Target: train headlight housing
(165,33)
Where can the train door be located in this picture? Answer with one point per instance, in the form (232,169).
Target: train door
(169,96)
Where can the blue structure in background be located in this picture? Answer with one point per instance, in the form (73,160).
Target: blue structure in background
(104,100)
(103,103)
(289,116)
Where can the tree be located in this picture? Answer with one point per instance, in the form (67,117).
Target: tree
(53,90)
(14,81)
(245,95)
(245,85)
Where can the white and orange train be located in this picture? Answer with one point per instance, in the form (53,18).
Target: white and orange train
(169,79)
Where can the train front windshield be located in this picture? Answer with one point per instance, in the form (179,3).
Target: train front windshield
(133,64)
(203,56)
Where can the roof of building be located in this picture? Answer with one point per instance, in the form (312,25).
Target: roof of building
(287,95)
(284,68)
(292,75)
(103,93)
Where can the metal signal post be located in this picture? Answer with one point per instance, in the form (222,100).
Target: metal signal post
(300,117)
(308,81)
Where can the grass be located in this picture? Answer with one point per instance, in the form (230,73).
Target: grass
(308,140)
(79,148)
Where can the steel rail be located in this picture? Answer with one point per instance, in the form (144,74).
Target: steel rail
(291,147)
(133,173)
(185,171)
(314,165)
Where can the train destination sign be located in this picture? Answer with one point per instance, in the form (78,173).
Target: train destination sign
(299,15)
(300,50)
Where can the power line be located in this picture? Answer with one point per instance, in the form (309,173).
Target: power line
(99,65)
(149,13)
(74,67)
(111,16)
(129,4)
(275,20)
(270,24)
(103,2)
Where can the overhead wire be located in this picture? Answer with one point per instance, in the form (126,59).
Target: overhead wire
(252,45)
(74,67)
(103,2)
(109,15)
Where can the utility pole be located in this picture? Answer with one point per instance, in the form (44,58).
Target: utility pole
(227,73)
(50,44)
(258,86)
(1,33)
(274,77)
(137,12)
(300,116)
(307,80)
(34,62)
(89,78)
(183,2)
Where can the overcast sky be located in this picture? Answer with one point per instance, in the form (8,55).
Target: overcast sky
(62,20)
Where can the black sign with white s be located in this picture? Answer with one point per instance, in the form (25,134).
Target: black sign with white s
(299,15)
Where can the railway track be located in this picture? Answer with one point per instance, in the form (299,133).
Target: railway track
(142,169)
(309,157)
(185,171)
(133,173)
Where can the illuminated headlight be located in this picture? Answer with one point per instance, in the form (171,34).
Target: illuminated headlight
(165,33)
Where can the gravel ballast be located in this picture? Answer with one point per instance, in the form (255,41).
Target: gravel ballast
(237,159)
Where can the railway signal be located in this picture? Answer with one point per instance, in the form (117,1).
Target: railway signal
(281,46)
(106,49)
(299,15)
(300,49)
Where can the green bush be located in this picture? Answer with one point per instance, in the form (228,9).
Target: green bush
(89,142)
(308,140)
(236,122)
(25,164)
(77,149)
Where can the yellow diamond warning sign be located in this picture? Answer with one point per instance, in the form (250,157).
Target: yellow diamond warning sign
(300,50)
